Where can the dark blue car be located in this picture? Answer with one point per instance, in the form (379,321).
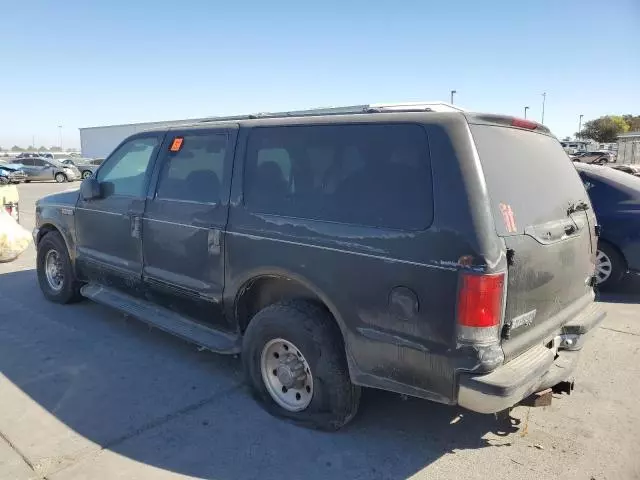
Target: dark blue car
(615,196)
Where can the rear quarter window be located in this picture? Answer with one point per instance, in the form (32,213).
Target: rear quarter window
(375,175)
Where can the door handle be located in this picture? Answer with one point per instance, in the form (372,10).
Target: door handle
(213,241)
(135,225)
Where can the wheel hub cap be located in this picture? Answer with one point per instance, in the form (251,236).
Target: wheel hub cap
(603,266)
(286,374)
(53,270)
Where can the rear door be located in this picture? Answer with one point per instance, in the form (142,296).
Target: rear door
(184,222)
(30,168)
(544,215)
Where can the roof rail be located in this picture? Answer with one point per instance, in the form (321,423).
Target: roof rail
(347,110)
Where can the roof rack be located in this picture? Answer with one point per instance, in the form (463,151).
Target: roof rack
(347,110)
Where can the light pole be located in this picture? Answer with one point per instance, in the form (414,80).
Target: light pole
(580,125)
(60,136)
(544,99)
(525,112)
(453,92)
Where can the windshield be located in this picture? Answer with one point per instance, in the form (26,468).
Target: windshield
(528,175)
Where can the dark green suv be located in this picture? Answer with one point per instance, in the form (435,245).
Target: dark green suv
(418,249)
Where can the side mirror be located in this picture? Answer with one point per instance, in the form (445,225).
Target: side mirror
(90,189)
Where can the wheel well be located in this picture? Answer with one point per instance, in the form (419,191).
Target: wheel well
(263,291)
(615,248)
(46,229)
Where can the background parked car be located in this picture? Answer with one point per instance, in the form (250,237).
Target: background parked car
(10,174)
(598,158)
(615,197)
(42,169)
(86,166)
(46,155)
(631,169)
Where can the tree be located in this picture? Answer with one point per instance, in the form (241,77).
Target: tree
(604,129)
(566,139)
(633,121)
(55,149)
(16,148)
(43,149)
(31,148)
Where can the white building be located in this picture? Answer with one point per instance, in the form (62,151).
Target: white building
(98,142)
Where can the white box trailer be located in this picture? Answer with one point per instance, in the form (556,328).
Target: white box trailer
(629,148)
(98,142)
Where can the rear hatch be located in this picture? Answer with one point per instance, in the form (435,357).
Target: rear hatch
(543,213)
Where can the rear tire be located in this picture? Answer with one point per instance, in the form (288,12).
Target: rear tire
(312,332)
(63,288)
(86,174)
(610,266)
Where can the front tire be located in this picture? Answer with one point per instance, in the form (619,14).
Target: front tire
(86,174)
(60,178)
(55,273)
(610,266)
(294,359)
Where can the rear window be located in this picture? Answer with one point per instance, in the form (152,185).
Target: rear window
(530,178)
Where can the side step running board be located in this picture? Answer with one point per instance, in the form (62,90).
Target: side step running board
(164,319)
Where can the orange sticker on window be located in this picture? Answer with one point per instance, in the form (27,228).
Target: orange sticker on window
(176,145)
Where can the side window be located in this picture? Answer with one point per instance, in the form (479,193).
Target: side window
(39,162)
(124,171)
(195,172)
(27,162)
(375,175)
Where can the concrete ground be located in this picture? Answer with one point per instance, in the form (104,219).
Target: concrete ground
(88,394)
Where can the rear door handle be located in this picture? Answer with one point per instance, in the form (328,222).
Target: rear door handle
(213,241)
(135,223)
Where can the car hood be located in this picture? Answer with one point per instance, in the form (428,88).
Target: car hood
(66,198)
(13,166)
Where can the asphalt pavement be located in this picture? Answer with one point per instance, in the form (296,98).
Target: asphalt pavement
(86,393)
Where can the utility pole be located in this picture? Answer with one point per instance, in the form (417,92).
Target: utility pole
(453,92)
(60,136)
(544,98)
(525,112)
(580,125)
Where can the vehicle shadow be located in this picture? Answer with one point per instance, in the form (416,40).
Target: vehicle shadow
(627,291)
(125,388)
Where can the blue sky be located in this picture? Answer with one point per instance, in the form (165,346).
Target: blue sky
(76,63)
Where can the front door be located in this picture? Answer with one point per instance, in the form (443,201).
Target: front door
(108,228)
(184,221)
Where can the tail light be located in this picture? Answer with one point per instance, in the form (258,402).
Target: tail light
(480,299)
(521,123)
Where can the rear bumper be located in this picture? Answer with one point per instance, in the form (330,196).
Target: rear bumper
(536,369)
